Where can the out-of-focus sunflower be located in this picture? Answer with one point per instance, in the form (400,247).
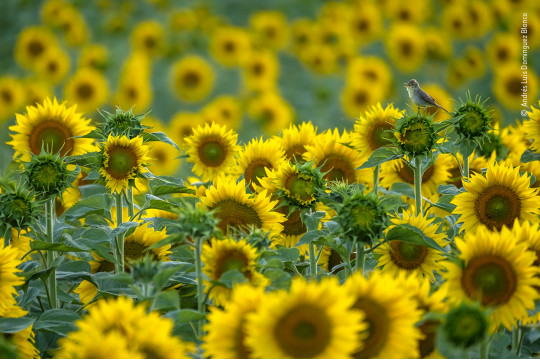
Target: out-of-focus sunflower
(312,320)
(154,124)
(320,59)
(23,340)
(372,71)
(304,33)
(183,19)
(163,159)
(407,11)
(474,62)
(397,257)
(95,56)
(438,44)
(456,21)
(255,157)
(50,125)
(71,21)
(53,66)
(20,241)
(496,270)
(366,22)
(270,29)
(9,278)
(503,49)
(192,78)
(295,138)
(456,75)
(238,210)
(32,44)
(405,47)
(271,111)
(212,149)
(337,37)
(391,316)
(12,96)
(533,26)
(50,10)
(147,36)
(372,129)
(230,45)
(260,70)
(182,125)
(443,98)
(223,110)
(36,91)
(133,93)
(481,17)
(225,255)
(88,89)
(496,199)
(356,98)
(508,87)
(531,127)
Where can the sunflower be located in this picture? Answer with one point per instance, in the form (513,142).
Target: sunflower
(533,19)
(226,329)
(12,96)
(230,45)
(94,56)
(456,75)
(508,87)
(503,49)
(396,257)
(72,23)
(391,316)
(123,161)
(295,138)
(255,157)
(50,9)
(370,70)
(303,34)
(23,340)
(476,164)
(366,22)
(88,89)
(124,330)
(455,21)
(322,59)
(220,256)
(496,199)
(192,78)
(338,161)
(183,19)
(496,270)
(182,125)
(474,62)
(54,66)
(260,70)
(212,150)
(271,111)
(133,92)
(20,241)
(32,45)
(443,98)
(438,44)
(481,17)
(163,159)
(147,36)
(407,12)
(236,209)
(356,98)
(223,110)
(337,37)
(9,260)
(53,126)
(36,92)
(372,129)
(311,320)
(405,47)
(270,29)
(531,127)
(399,171)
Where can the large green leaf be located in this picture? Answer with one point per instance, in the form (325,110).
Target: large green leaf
(529,156)
(159,136)
(381,155)
(411,234)
(13,325)
(58,321)
(162,185)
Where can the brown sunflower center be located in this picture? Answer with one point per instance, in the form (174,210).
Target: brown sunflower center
(257,69)
(212,153)
(406,48)
(360,97)
(407,256)
(132,92)
(52,67)
(513,86)
(255,170)
(407,174)
(299,187)
(378,135)
(293,226)
(362,25)
(303,332)
(295,152)
(497,206)
(85,91)
(52,135)
(35,48)
(427,344)
(378,327)
(338,168)
(150,42)
(7,96)
(159,157)
(229,47)
(232,259)
(371,75)
(122,161)
(237,215)
(241,350)
(191,79)
(491,277)
(404,15)
(457,24)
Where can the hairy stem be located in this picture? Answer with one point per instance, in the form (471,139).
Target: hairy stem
(51,255)
(360,256)
(200,291)
(418,184)
(119,238)
(376,171)
(312,260)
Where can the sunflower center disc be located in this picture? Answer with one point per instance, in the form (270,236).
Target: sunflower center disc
(299,188)
(293,225)
(191,79)
(255,170)
(19,207)
(303,332)
(363,216)
(406,255)
(237,215)
(85,91)
(35,48)
(472,123)
(52,135)
(231,261)
(212,153)
(497,206)
(45,176)
(121,162)
(338,168)
(378,328)
(378,136)
(491,277)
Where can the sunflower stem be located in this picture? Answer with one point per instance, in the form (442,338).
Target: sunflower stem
(516,339)
(465,174)
(200,293)
(312,260)
(418,184)
(360,257)
(484,349)
(376,171)
(51,255)
(119,238)
(7,236)
(130,205)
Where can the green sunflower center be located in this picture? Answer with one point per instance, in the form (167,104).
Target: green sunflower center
(364,216)
(232,260)
(303,332)
(407,256)
(474,122)
(490,277)
(465,326)
(53,136)
(122,162)
(294,152)
(416,138)
(338,168)
(378,327)
(497,206)
(300,188)
(19,207)
(237,215)
(45,176)
(212,153)
(379,135)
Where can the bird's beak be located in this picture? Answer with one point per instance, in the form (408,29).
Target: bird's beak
(406,85)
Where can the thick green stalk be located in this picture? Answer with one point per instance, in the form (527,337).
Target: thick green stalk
(312,260)
(376,171)
(360,256)
(418,184)
(130,205)
(201,308)
(51,255)
(465,174)
(484,349)
(119,238)
(516,340)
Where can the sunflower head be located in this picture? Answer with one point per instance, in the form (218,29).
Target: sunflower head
(47,174)
(195,222)
(123,123)
(465,325)
(475,118)
(492,143)
(18,208)
(299,185)
(415,134)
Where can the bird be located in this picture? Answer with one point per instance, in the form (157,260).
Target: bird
(419,97)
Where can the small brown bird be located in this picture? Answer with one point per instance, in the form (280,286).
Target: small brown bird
(419,97)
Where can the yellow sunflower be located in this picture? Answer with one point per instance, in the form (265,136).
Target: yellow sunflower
(71,21)
(134,85)
(372,129)
(405,47)
(438,44)
(183,19)
(321,59)
(230,45)
(366,22)
(311,320)
(50,9)
(531,127)
(54,66)
(270,29)
(123,160)
(36,91)
(147,36)
(226,329)
(303,34)
(496,199)
(212,150)
(498,271)
(338,161)
(237,209)
(223,110)
(370,70)
(336,36)
(508,87)
(88,89)
(12,96)
(260,70)
(23,340)
(533,21)
(220,256)
(50,125)
(356,98)
(182,125)
(271,111)
(32,45)
(163,159)
(407,12)
(9,260)
(295,138)
(503,49)
(94,56)
(255,157)
(20,241)
(481,17)
(397,257)
(192,78)
(456,21)
(475,65)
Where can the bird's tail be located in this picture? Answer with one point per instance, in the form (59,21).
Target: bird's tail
(440,107)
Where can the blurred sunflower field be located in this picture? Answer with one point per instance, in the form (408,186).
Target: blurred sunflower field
(250,179)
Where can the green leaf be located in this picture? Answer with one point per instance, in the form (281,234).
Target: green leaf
(162,185)
(279,278)
(402,189)
(309,237)
(114,284)
(449,189)
(43,245)
(381,155)
(529,156)
(154,202)
(166,301)
(231,277)
(99,204)
(163,276)
(189,315)
(74,271)
(58,321)
(13,325)
(411,234)
(159,136)
(125,228)
(89,159)
(312,219)
(444,203)
(288,254)
(332,227)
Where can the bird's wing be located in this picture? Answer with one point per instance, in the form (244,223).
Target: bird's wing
(425,96)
